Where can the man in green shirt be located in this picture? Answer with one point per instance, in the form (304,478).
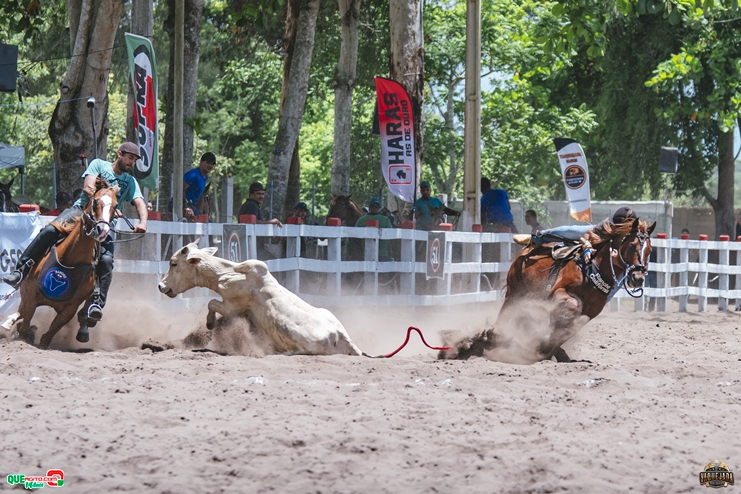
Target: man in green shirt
(374,208)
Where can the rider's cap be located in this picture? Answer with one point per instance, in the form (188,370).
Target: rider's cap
(301,205)
(256,187)
(424,184)
(131,148)
(373,201)
(623,214)
(209,157)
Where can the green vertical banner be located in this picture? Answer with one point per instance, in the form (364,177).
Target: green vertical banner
(143,70)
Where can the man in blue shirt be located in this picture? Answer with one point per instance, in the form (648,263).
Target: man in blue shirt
(496,213)
(116,173)
(194,183)
(424,206)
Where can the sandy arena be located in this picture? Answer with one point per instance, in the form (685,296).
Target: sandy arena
(660,401)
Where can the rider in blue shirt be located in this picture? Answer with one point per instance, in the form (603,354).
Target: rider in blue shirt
(194,183)
(116,173)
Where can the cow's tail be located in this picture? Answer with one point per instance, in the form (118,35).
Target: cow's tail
(409,332)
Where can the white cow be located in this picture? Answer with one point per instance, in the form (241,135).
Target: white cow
(249,290)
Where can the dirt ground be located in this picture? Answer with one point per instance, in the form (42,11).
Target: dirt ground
(660,401)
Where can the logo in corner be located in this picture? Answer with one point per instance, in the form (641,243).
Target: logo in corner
(53,478)
(716,474)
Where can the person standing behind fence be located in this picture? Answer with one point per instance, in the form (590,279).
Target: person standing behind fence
(253,203)
(531,218)
(194,183)
(496,213)
(64,201)
(374,208)
(424,205)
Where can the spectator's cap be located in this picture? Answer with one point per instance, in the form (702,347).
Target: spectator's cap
(131,148)
(424,183)
(209,157)
(301,205)
(256,187)
(63,198)
(623,214)
(374,201)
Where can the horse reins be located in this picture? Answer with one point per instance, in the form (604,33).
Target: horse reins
(629,268)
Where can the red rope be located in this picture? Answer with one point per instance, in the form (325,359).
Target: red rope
(409,331)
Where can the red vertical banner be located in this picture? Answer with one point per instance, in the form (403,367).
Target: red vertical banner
(396,126)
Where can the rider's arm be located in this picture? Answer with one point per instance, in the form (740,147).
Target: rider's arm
(141,209)
(88,186)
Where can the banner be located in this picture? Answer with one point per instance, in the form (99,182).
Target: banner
(575,175)
(396,127)
(436,255)
(143,70)
(16,232)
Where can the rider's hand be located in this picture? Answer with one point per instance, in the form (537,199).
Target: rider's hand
(117,213)
(139,228)
(189,213)
(276,222)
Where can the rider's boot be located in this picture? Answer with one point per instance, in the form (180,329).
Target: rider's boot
(100,294)
(32,255)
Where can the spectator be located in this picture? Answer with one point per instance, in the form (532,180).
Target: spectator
(149,206)
(496,213)
(253,203)
(531,218)
(374,208)
(64,201)
(301,210)
(424,205)
(194,183)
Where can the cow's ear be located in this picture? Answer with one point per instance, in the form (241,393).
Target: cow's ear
(210,250)
(193,260)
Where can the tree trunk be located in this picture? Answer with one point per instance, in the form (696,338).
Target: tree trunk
(93,27)
(344,82)
(191,54)
(141,24)
(292,111)
(725,223)
(407,64)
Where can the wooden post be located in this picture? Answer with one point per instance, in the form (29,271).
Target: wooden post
(702,299)
(662,277)
(684,258)
(724,258)
(177,130)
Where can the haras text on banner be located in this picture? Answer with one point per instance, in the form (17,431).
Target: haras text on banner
(396,126)
(575,173)
(143,70)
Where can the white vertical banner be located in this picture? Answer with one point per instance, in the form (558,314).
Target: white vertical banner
(16,232)
(575,173)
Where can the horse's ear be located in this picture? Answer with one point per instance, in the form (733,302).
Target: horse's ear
(636,222)
(651,228)
(349,196)
(334,197)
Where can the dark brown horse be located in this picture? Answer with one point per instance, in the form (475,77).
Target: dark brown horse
(575,294)
(67,273)
(6,202)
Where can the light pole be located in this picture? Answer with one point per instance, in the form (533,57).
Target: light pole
(91,105)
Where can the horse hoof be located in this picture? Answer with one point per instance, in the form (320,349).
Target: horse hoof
(83,335)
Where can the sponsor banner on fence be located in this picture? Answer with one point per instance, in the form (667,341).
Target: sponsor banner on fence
(234,243)
(436,255)
(143,70)
(575,175)
(396,127)
(16,232)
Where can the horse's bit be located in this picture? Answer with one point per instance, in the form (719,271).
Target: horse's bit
(629,268)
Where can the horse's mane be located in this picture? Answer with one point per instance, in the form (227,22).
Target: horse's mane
(606,231)
(101,183)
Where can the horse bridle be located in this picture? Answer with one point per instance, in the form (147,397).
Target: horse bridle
(93,222)
(629,268)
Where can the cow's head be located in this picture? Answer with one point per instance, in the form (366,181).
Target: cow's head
(182,273)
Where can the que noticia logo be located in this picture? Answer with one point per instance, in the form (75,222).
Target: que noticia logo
(716,474)
(53,478)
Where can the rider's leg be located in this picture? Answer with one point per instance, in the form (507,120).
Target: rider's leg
(32,255)
(105,274)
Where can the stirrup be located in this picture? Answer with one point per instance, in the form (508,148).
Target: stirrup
(95,312)
(14,278)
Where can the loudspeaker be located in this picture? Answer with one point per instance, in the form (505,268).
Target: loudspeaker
(668,160)
(8,67)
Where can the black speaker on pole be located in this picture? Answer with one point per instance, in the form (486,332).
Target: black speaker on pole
(668,160)
(8,67)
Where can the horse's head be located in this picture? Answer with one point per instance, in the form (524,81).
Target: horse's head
(345,209)
(100,210)
(633,251)
(6,197)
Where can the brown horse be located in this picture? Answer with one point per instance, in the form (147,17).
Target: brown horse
(344,208)
(65,277)
(6,202)
(577,293)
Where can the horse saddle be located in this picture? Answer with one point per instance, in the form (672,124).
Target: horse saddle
(58,282)
(563,252)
